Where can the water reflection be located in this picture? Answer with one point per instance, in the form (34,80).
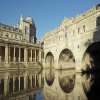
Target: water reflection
(67,82)
(49,76)
(91,83)
(69,85)
(22,86)
(50,84)
(62,87)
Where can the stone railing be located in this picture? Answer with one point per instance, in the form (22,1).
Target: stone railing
(10,28)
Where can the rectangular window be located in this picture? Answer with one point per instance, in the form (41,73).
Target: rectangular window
(26,30)
(78,30)
(84,28)
(65,35)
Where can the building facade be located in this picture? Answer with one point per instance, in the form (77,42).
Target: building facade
(74,42)
(20,56)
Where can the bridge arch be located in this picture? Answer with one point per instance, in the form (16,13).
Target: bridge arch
(91,57)
(91,79)
(66,80)
(66,59)
(49,77)
(49,59)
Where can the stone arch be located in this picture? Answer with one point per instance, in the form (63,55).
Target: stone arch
(49,59)
(66,59)
(91,71)
(91,56)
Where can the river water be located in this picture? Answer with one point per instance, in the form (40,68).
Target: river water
(50,84)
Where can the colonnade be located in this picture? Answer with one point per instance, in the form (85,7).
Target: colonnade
(16,84)
(19,54)
(20,81)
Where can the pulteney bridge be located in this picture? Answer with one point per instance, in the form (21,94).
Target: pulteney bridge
(75,43)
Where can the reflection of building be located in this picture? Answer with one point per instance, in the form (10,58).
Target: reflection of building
(13,85)
(67,85)
(19,51)
(68,43)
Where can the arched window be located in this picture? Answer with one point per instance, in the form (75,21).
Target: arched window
(98,21)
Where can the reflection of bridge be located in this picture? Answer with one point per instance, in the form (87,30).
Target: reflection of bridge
(64,86)
(75,41)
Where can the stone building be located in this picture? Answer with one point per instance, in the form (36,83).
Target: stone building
(74,42)
(20,55)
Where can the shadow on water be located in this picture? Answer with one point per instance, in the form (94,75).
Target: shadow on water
(93,75)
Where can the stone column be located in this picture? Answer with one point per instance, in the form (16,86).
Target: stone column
(19,55)
(35,80)
(31,55)
(40,60)
(13,84)
(9,54)
(14,59)
(35,56)
(0,59)
(31,81)
(25,81)
(25,55)
(0,53)
(6,85)
(19,83)
(40,82)
(6,53)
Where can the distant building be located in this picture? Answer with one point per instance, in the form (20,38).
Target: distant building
(20,57)
(19,44)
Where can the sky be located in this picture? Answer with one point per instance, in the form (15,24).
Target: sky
(47,14)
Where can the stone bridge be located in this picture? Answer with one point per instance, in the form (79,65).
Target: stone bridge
(75,43)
